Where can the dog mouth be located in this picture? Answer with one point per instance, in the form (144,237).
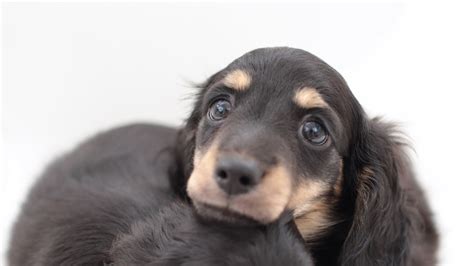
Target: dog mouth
(224,214)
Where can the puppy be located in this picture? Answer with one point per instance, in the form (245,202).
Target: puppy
(278,129)
(108,202)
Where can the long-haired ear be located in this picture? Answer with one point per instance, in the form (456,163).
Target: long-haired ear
(379,234)
(186,141)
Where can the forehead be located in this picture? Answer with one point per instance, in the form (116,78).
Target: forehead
(281,71)
(307,97)
(283,77)
(275,84)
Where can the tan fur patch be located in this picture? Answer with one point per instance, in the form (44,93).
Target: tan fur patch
(269,199)
(304,196)
(366,173)
(311,211)
(201,184)
(264,203)
(308,97)
(338,185)
(316,220)
(238,80)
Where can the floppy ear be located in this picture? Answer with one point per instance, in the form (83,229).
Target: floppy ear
(186,142)
(380,224)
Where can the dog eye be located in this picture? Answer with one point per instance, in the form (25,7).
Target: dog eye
(219,110)
(314,132)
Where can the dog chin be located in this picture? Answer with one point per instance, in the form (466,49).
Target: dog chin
(225,215)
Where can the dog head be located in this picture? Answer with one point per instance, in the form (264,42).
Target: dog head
(278,129)
(269,133)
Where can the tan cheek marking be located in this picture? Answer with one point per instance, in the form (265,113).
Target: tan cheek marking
(201,186)
(316,220)
(308,97)
(304,196)
(238,80)
(311,212)
(338,185)
(268,200)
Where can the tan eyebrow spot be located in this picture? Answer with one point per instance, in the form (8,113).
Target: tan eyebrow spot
(308,97)
(238,80)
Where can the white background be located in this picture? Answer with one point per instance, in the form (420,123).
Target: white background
(70,70)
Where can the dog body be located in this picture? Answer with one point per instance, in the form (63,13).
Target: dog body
(276,131)
(176,236)
(108,202)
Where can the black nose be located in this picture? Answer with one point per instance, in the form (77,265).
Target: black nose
(237,175)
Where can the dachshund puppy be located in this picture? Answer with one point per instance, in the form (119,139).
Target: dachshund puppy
(108,203)
(279,129)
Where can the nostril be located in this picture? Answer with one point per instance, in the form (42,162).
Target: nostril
(222,174)
(235,175)
(245,180)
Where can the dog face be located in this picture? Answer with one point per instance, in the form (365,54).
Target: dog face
(270,132)
(278,129)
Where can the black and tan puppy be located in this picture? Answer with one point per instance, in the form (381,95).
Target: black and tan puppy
(108,203)
(278,129)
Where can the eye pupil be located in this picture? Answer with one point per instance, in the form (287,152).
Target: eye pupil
(219,110)
(314,132)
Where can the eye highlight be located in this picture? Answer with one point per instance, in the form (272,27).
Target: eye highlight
(219,110)
(314,132)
